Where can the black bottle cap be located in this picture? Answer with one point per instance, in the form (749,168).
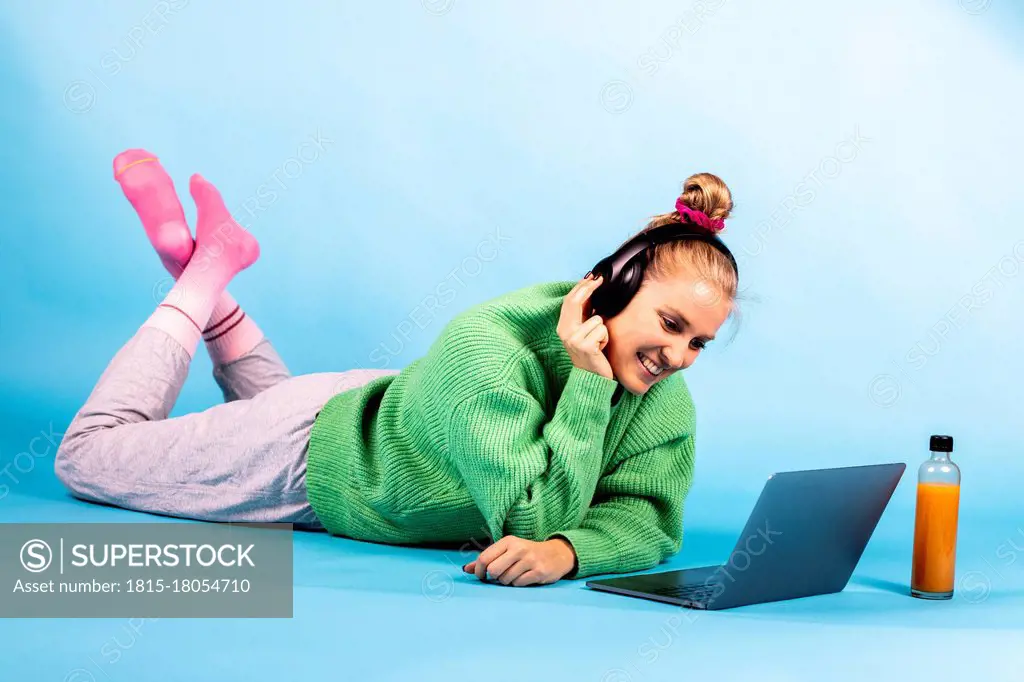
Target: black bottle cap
(941,444)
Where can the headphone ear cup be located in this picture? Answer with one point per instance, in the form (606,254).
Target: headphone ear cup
(614,294)
(629,281)
(602,300)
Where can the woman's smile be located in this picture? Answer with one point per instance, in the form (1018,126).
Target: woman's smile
(650,369)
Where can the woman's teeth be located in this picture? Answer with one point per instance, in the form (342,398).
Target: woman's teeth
(649,364)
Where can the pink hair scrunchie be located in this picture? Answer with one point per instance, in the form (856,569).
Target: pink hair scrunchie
(699,217)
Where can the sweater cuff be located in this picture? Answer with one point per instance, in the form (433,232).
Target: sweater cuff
(596,553)
(581,418)
(589,388)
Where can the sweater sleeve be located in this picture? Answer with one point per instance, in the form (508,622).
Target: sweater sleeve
(528,475)
(637,519)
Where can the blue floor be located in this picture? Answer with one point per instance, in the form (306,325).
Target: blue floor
(368,611)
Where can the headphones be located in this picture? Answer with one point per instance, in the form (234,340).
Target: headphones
(623,271)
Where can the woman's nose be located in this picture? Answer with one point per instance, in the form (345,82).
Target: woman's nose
(678,358)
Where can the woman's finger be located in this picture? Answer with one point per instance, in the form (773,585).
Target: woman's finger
(585,306)
(496,569)
(573,312)
(579,285)
(573,302)
(512,573)
(581,333)
(597,336)
(588,287)
(492,554)
(578,297)
(531,577)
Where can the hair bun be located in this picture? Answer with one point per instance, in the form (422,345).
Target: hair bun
(705,193)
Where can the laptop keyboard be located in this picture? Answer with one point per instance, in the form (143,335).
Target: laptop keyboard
(701,592)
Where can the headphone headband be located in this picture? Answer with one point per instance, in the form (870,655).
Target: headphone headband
(669,233)
(623,271)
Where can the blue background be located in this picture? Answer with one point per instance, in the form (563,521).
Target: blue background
(873,153)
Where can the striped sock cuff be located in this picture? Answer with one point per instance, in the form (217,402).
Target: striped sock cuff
(174,307)
(224,325)
(233,334)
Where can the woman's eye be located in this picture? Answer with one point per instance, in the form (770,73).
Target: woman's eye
(670,325)
(699,345)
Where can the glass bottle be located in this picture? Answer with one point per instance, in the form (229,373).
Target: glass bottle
(935,523)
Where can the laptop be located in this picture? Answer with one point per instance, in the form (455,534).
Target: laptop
(804,537)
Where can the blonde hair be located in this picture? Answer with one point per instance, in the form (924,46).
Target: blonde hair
(701,192)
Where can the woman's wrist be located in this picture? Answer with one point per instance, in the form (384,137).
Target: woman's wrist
(567,554)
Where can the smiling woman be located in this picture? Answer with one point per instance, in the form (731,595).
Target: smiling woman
(659,299)
(531,423)
(670,287)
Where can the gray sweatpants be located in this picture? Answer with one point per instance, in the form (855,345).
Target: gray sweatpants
(243,460)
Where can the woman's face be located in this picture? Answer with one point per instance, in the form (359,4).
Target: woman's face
(665,325)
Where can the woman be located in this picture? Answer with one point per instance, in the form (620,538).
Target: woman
(531,423)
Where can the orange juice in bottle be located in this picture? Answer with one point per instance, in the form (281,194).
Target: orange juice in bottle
(935,523)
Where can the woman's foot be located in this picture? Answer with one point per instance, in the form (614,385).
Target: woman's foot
(230,333)
(151,192)
(223,248)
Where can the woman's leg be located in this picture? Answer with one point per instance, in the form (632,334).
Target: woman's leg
(256,371)
(239,461)
(244,460)
(244,363)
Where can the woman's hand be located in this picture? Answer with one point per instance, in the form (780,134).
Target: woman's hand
(518,562)
(585,339)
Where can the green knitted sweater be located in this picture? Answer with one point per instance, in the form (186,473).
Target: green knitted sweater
(495,432)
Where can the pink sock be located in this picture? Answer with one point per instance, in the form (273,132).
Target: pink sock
(151,192)
(223,248)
